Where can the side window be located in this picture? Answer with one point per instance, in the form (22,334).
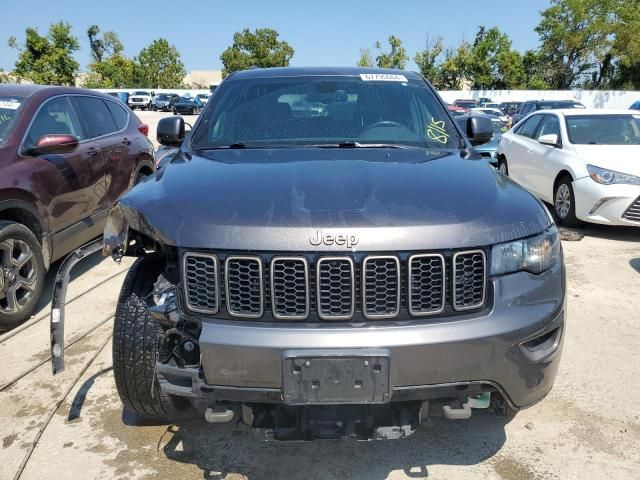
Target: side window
(119,114)
(550,126)
(55,117)
(94,116)
(528,128)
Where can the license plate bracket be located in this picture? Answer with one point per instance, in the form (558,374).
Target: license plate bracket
(322,377)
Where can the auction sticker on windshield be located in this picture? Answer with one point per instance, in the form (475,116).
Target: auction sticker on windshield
(382,77)
(9,105)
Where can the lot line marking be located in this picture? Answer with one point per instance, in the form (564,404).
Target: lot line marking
(26,325)
(35,367)
(55,408)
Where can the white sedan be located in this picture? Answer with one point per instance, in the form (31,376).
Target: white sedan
(584,162)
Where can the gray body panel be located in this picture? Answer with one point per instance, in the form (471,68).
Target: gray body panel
(429,352)
(276,200)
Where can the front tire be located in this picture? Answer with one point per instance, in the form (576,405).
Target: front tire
(564,203)
(136,343)
(21,273)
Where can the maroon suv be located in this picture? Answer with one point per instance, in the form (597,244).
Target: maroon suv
(65,156)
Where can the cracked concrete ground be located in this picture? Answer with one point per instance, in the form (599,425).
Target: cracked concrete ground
(588,427)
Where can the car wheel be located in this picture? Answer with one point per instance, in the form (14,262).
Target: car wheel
(21,273)
(136,345)
(564,203)
(503,167)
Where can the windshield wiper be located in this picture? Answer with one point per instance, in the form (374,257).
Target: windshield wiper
(231,146)
(358,145)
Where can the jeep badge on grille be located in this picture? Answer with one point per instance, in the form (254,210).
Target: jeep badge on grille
(333,239)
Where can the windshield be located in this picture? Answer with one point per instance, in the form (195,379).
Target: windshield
(604,129)
(466,104)
(9,112)
(162,97)
(559,105)
(325,111)
(146,94)
(185,100)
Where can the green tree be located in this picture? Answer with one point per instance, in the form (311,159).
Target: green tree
(396,58)
(365,58)
(115,71)
(108,45)
(625,22)
(160,66)
(575,40)
(47,59)
(427,60)
(453,72)
(110,68)
(256,49)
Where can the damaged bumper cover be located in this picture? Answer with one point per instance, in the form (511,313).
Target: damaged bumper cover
(514,348)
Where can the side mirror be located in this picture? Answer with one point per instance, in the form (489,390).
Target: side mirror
(479,130)
(54,144)
(170,131)
(550,139)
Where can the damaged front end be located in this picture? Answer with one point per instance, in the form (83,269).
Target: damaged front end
(126,233)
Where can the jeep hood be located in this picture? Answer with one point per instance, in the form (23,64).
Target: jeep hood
(276,200)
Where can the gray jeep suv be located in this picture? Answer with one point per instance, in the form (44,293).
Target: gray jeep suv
(325,255)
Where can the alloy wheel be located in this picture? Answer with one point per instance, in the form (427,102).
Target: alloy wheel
(18,275)
(563,201)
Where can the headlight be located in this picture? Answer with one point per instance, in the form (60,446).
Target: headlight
(534,254)
(609,177)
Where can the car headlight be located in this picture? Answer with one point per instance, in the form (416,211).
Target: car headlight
(535,254)
(609,177)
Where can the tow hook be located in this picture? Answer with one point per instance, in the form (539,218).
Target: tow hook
(462,411)
(218,414)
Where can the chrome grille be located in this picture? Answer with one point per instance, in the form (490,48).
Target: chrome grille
(380,287)
(336,288)
(468,279)
(633,212)
(201,282)
(289,288)
(244,286)
(426,280)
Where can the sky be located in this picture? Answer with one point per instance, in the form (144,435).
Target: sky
(322,32)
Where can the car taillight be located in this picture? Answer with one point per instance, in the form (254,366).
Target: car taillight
(144,129)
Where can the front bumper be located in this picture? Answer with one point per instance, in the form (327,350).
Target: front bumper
(618,198)
(243,361)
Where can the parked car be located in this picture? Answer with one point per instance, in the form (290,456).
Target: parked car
(164,101)
(489,105)
(635,106)
(187,106)
(466,104)
(204,97)
(492,112)
(66,155)
(482,100)
(533,106)
(122,96)
(456,111)
(141,99)
(405,277)
(584,162)
(509,108)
